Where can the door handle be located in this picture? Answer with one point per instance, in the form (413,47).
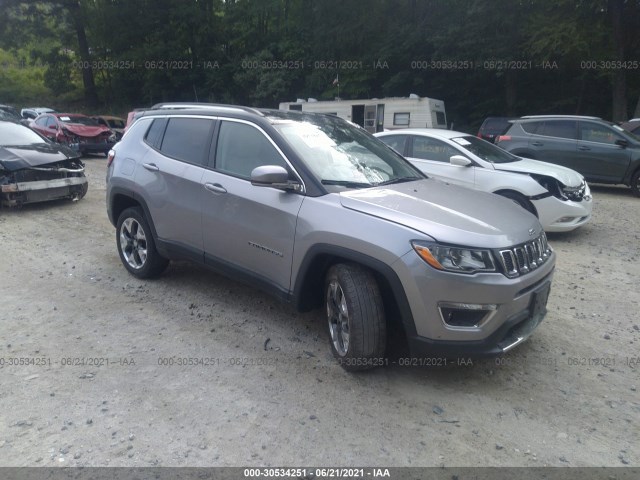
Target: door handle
(215,188)
(583,148)
(537,144)
(152,167)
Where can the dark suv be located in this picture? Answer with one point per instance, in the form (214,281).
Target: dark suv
(601,151)
(320,213)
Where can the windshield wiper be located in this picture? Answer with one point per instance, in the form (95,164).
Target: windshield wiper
(347,183)
(397,180)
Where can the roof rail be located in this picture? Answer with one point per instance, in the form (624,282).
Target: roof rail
(584,117)
(198,105)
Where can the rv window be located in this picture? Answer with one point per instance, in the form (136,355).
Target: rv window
(296,106)
(440,118)
(401,119)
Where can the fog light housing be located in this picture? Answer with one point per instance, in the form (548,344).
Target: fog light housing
(466,315)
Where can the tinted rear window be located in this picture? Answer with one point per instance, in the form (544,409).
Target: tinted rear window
(187,139)
(559,128)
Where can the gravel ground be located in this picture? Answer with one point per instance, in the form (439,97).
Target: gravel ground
(270,393)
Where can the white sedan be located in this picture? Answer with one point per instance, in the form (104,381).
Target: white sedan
(558,196)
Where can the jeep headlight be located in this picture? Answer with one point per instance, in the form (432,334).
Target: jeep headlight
(456,259)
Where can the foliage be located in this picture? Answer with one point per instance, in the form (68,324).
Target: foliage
(505,57)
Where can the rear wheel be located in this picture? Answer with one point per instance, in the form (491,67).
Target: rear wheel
(136,246)
(521,200)
(635,183)
(355,315)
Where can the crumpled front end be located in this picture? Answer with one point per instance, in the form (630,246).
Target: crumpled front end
(61,180)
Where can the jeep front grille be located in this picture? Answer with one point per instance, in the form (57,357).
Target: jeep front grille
(524,258)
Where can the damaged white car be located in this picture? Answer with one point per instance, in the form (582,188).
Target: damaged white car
(558,196)
(33,169)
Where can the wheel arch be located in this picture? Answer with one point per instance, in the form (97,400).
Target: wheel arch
(308,290)
(510,191)
(121,199)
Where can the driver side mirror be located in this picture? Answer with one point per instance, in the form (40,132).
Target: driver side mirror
(274,176)
(622,143)
(460,161)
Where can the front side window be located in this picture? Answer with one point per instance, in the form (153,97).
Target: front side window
(241,148)
(592,132)
(187,139)
(432,149)
(42,121)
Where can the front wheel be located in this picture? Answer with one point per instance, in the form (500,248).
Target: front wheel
(635,183)
(355,315)
(136,246)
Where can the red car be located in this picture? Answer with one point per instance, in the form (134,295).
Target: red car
(78,131)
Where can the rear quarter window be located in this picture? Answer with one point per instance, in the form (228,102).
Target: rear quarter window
(154,134)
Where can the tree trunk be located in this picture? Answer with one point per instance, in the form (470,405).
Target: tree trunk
(511,92)
(619,80)
(90,92)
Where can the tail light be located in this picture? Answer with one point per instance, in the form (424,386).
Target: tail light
(110,157)
(500,138)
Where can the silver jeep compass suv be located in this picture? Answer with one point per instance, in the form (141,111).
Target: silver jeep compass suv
(321,214)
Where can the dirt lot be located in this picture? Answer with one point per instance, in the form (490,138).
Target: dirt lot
(568,397)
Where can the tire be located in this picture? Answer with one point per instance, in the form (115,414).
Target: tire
(635,183)
(355,316)
(136,246)
(520,200)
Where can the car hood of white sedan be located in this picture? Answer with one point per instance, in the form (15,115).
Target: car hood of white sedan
(568,177)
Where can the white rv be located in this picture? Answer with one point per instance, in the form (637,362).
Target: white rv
(378,114)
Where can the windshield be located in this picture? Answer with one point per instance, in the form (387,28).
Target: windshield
(342,155)
(78,119)
(13,134)
(10,116)
(485,150)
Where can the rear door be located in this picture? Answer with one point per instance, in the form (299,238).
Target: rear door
(599,155)
(555,141)
(170,174)
(249,229)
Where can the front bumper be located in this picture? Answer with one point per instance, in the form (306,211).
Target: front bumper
(14,194)
(514,331)
(557,215)
(513,308)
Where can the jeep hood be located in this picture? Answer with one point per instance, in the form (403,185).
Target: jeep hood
(568,177)
(447,213)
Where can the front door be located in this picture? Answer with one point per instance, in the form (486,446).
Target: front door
(248,228)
